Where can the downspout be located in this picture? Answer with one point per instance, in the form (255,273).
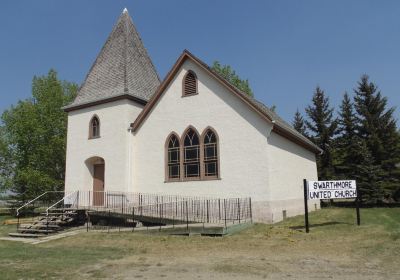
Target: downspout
(129,186)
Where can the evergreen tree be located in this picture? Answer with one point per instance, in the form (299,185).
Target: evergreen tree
(230,75)
(367,174)
(323,127)
(35,131)
(396,171)
(347,144)
(377,127)
(299,123)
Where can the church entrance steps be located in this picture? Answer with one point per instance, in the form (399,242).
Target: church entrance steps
(49,223)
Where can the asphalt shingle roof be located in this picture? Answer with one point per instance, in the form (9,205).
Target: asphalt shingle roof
(122,67)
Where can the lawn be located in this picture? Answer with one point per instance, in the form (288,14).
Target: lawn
(335,248)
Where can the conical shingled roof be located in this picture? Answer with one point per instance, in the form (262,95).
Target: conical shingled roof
(123,68)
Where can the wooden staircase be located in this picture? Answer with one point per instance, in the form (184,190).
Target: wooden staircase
(55,221)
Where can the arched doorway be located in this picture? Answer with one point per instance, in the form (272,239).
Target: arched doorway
(97,167)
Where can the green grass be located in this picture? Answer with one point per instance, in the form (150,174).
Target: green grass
(259,251)
(5,229)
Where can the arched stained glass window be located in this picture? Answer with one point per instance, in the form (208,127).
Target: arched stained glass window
(191,154)
(173,154)
(94,128)
(210,154)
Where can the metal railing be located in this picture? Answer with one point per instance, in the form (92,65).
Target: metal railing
(37,205)
(41,201)
(60,203)
(150,209)
(211,211)
(96,200)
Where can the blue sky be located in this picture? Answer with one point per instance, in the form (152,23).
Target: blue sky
(285,48)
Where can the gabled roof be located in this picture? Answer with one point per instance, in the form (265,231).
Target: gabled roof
(122,69)
(279,125)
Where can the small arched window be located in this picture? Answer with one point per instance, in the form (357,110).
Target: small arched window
(191,154)
(189,84)
(173,157)
(94,129)
(210,154)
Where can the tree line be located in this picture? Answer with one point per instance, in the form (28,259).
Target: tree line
(360,140)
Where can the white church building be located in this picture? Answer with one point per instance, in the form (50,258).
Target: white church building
(191,134)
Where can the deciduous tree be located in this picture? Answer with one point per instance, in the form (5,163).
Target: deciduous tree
(230,75)
(35,134)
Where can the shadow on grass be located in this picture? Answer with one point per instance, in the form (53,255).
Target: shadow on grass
(300,228)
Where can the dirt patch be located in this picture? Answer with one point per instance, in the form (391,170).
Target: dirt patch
(220,266)
(272,255)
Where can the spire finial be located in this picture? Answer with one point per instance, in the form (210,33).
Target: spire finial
(125,10)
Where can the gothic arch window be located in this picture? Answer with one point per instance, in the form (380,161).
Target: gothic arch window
(210,153)
(192,157)
(189,84)
(191,154)
(173,157)
(94,127)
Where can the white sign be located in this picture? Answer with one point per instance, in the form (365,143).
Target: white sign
(332,189)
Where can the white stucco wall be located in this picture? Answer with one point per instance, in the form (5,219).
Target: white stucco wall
(289,164)
(114,145)
(242,135)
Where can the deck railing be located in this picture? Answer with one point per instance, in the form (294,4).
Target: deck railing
(156,209)
(165,209)
(211,211)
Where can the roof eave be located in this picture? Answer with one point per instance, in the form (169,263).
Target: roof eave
(74,107)
(294,138)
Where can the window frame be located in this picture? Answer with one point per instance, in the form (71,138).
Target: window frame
(217,156)
(184,162)
(167,163)
(202,160)
(91,136)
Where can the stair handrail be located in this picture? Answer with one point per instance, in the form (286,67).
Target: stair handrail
(29,202)
(62,199)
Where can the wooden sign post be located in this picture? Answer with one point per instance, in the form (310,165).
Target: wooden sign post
(343,189)
(306,205)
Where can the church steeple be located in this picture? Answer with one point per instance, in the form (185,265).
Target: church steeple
(122,69)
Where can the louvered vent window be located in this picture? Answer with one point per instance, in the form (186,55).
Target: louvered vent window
(190,84)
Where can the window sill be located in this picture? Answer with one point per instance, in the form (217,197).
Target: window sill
(188,95)
(97,137)
(192,180)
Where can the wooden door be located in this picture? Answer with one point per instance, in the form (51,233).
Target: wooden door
(98,185)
